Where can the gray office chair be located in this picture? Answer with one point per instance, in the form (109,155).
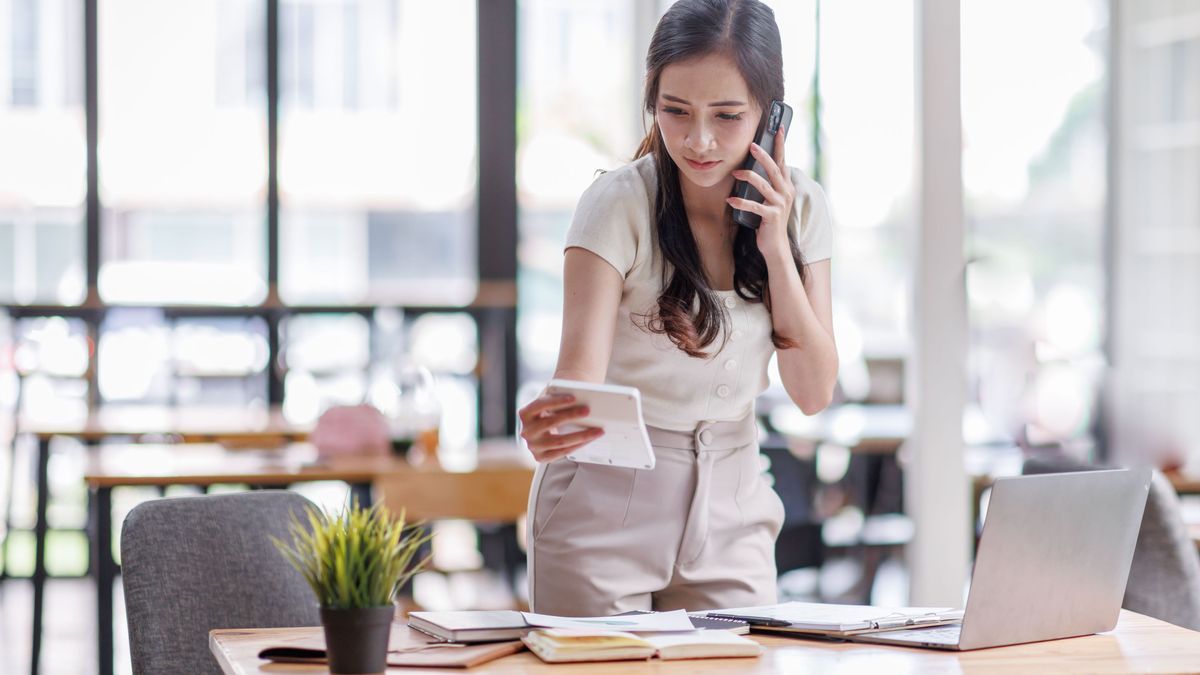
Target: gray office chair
(193,564)
(1164,579)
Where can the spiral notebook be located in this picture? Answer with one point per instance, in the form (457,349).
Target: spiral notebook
(701,621)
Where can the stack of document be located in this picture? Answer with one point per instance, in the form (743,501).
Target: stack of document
(561,639)
(837,620)
(487,626)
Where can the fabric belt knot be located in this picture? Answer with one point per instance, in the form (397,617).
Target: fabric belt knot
(707,438)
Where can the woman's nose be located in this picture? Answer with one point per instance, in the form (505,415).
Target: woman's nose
(699,137)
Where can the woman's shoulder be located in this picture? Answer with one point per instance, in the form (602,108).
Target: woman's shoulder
(630,183)
(804,184)
(810,218)
(612,218)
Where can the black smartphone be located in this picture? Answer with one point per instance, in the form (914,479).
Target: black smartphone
(780,115)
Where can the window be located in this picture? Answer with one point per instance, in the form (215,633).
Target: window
(1034,183)
(1156,234)
(859,148)
(145,356)
(182,160)
(43,164)
(579,112)
(377,152)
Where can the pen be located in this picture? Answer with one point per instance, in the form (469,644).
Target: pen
(754,620)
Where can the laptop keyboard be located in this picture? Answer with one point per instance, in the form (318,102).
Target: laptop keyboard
(947,635)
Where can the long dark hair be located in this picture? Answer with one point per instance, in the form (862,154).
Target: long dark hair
(744,30)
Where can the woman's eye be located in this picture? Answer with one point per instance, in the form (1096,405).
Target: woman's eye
(731,117)
(673,111)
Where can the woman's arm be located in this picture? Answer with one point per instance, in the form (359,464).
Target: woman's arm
(802,315)
(591,295)
(805,316)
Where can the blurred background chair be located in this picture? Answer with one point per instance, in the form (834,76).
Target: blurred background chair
(197,563)
(1164,579)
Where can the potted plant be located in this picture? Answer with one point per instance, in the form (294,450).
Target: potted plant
(355,562)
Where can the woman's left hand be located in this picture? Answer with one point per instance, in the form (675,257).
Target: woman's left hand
(778,197)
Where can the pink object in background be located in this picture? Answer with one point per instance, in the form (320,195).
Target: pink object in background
(351,430)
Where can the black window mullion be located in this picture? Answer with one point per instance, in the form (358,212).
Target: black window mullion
(91,104)
(496,215)
(273,316)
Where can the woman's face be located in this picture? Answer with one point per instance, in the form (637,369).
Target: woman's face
(707,117)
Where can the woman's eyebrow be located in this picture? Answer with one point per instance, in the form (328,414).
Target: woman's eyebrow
(717,104)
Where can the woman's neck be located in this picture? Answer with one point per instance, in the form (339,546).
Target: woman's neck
(706,204)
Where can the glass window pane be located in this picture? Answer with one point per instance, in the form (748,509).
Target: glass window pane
(867,121)
(182,151)
(377,151)
(326,357)
(579,111)
(797,21)
(133,359)
(145,357)
(51,354)
(43,164)
(1034,163)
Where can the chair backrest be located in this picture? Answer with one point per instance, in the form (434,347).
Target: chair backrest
(1164,579)
(193,564)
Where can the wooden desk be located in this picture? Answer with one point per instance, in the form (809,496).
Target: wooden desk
(189,424)
(1138,644)
(113,466)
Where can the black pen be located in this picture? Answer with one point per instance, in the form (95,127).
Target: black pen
(754,620)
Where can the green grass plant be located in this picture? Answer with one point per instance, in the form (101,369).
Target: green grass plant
(357,558)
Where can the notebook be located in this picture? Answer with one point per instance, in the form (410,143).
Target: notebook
(837,620)
(567,645)
(471,626)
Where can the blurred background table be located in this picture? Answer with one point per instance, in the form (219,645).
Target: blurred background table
(182,424)
(495,490)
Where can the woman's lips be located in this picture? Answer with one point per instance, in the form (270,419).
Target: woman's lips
(702,166)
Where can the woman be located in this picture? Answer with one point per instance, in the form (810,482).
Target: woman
(664,292)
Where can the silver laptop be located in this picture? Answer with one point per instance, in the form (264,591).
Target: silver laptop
(1052,562)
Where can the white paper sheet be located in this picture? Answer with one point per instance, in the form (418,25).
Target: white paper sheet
(633,623)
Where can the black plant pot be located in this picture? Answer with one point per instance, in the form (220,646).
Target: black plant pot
(357,639)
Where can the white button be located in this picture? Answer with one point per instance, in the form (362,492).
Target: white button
(730,302)
(705,437)
(723,391)
(730,364)
(736,335)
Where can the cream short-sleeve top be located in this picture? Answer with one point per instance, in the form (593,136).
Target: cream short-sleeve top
(614,219)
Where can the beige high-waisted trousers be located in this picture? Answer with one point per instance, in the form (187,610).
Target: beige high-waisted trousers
(696,532)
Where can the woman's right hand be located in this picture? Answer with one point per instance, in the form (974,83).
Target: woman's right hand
(539,426)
